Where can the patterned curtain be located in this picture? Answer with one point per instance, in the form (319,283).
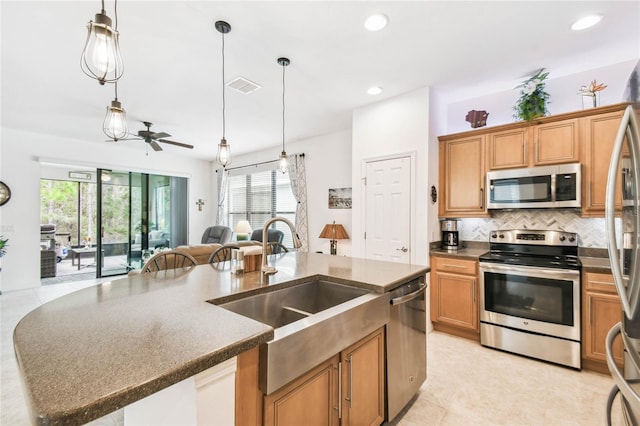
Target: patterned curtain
(298,179)
(223,178)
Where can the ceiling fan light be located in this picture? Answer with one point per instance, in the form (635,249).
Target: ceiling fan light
(115,122)
(224,153)
(101,58)
(283,162)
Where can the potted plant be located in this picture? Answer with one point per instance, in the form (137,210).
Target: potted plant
(533,99)
(3,246)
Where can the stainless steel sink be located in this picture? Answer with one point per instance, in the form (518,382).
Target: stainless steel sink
(281,307)
(313,321)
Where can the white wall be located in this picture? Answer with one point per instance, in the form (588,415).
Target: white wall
(398,125)
(563,91)
(328,165)
(20,169)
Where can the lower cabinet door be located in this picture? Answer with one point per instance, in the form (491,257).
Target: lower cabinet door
(603,311)
(363,381)
(311,400)
(454,300)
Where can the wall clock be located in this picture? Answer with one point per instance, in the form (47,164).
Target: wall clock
(5,193)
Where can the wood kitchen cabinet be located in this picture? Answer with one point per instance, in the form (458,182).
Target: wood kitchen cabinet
(462,177)
(311,399)
(353,378)
(600,311)
(555,143)
(534,145)
(508,149)
(363,381)
(599,137)
(454,296)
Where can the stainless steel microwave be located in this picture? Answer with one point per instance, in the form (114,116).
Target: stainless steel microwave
(535,187)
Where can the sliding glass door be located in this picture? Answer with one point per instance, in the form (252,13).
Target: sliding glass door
(138,214)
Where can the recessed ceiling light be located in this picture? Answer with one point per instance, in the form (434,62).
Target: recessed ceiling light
(376,22)
(375,90)
(586,22)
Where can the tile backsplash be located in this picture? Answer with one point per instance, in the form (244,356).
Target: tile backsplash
(591,231)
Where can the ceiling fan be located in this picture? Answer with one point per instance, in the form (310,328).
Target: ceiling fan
(152,138)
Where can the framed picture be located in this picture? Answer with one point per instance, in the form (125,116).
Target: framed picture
(340,198)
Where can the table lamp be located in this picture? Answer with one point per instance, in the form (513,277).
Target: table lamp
(334,233)
(243,229)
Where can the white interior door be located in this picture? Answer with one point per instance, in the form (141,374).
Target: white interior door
(388,210)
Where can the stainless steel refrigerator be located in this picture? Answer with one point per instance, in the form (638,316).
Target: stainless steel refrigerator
(622,242)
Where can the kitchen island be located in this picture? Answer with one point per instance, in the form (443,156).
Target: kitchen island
(99,349)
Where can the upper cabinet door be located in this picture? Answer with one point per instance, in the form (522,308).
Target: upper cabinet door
(599,136)
(508,149)
(556,143)
(462,175)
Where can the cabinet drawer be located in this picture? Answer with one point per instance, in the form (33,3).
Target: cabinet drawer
(599,282)
(458,266)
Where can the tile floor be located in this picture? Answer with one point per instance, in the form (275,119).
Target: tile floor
(467,384)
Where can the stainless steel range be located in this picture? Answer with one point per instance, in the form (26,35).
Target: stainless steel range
(530,295)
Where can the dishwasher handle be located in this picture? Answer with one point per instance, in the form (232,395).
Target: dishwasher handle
(407,297)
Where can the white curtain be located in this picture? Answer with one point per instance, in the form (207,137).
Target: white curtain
(223,178)
(298,179)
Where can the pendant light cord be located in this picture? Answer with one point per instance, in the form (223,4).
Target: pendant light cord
(116,84)
(283,91)
(115,12)
(223,99)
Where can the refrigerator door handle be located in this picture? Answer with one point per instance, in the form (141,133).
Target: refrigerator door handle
(628,128)
(631,397)
(612,395)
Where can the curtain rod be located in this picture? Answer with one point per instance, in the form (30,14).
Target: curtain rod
(254,164)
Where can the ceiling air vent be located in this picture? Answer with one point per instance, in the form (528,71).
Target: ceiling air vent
(243,85)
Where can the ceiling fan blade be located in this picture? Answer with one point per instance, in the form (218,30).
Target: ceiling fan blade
(155,146)
(183,145)
(160,135)
(144,133)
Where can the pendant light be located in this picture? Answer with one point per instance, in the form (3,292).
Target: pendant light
(115,122)
(224,150)
(283,161)
(101,57)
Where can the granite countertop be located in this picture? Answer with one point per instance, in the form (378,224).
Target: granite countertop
(94,351)
(596,264)
(468,250)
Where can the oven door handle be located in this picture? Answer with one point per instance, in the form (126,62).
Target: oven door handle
(489,267)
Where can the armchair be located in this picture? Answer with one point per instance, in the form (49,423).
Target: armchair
(216,234)
(274,237)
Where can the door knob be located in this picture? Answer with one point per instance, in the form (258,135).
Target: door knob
(403,249)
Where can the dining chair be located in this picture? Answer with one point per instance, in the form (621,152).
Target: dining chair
(222,254)
(168,259)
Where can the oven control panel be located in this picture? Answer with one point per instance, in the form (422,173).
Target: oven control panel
(528,236)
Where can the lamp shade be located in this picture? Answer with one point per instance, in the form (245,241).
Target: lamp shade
(115,122)
(334,231)
(243,227)
(101,57)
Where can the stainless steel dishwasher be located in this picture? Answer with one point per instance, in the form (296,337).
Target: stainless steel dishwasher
(406,345)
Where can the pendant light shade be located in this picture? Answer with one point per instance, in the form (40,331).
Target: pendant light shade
(224,153)
(101,57)
(115,122)
(224,150)
(283,161)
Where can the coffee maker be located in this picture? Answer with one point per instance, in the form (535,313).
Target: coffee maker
(449,228)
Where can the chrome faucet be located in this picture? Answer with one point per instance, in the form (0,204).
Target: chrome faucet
(270,270)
